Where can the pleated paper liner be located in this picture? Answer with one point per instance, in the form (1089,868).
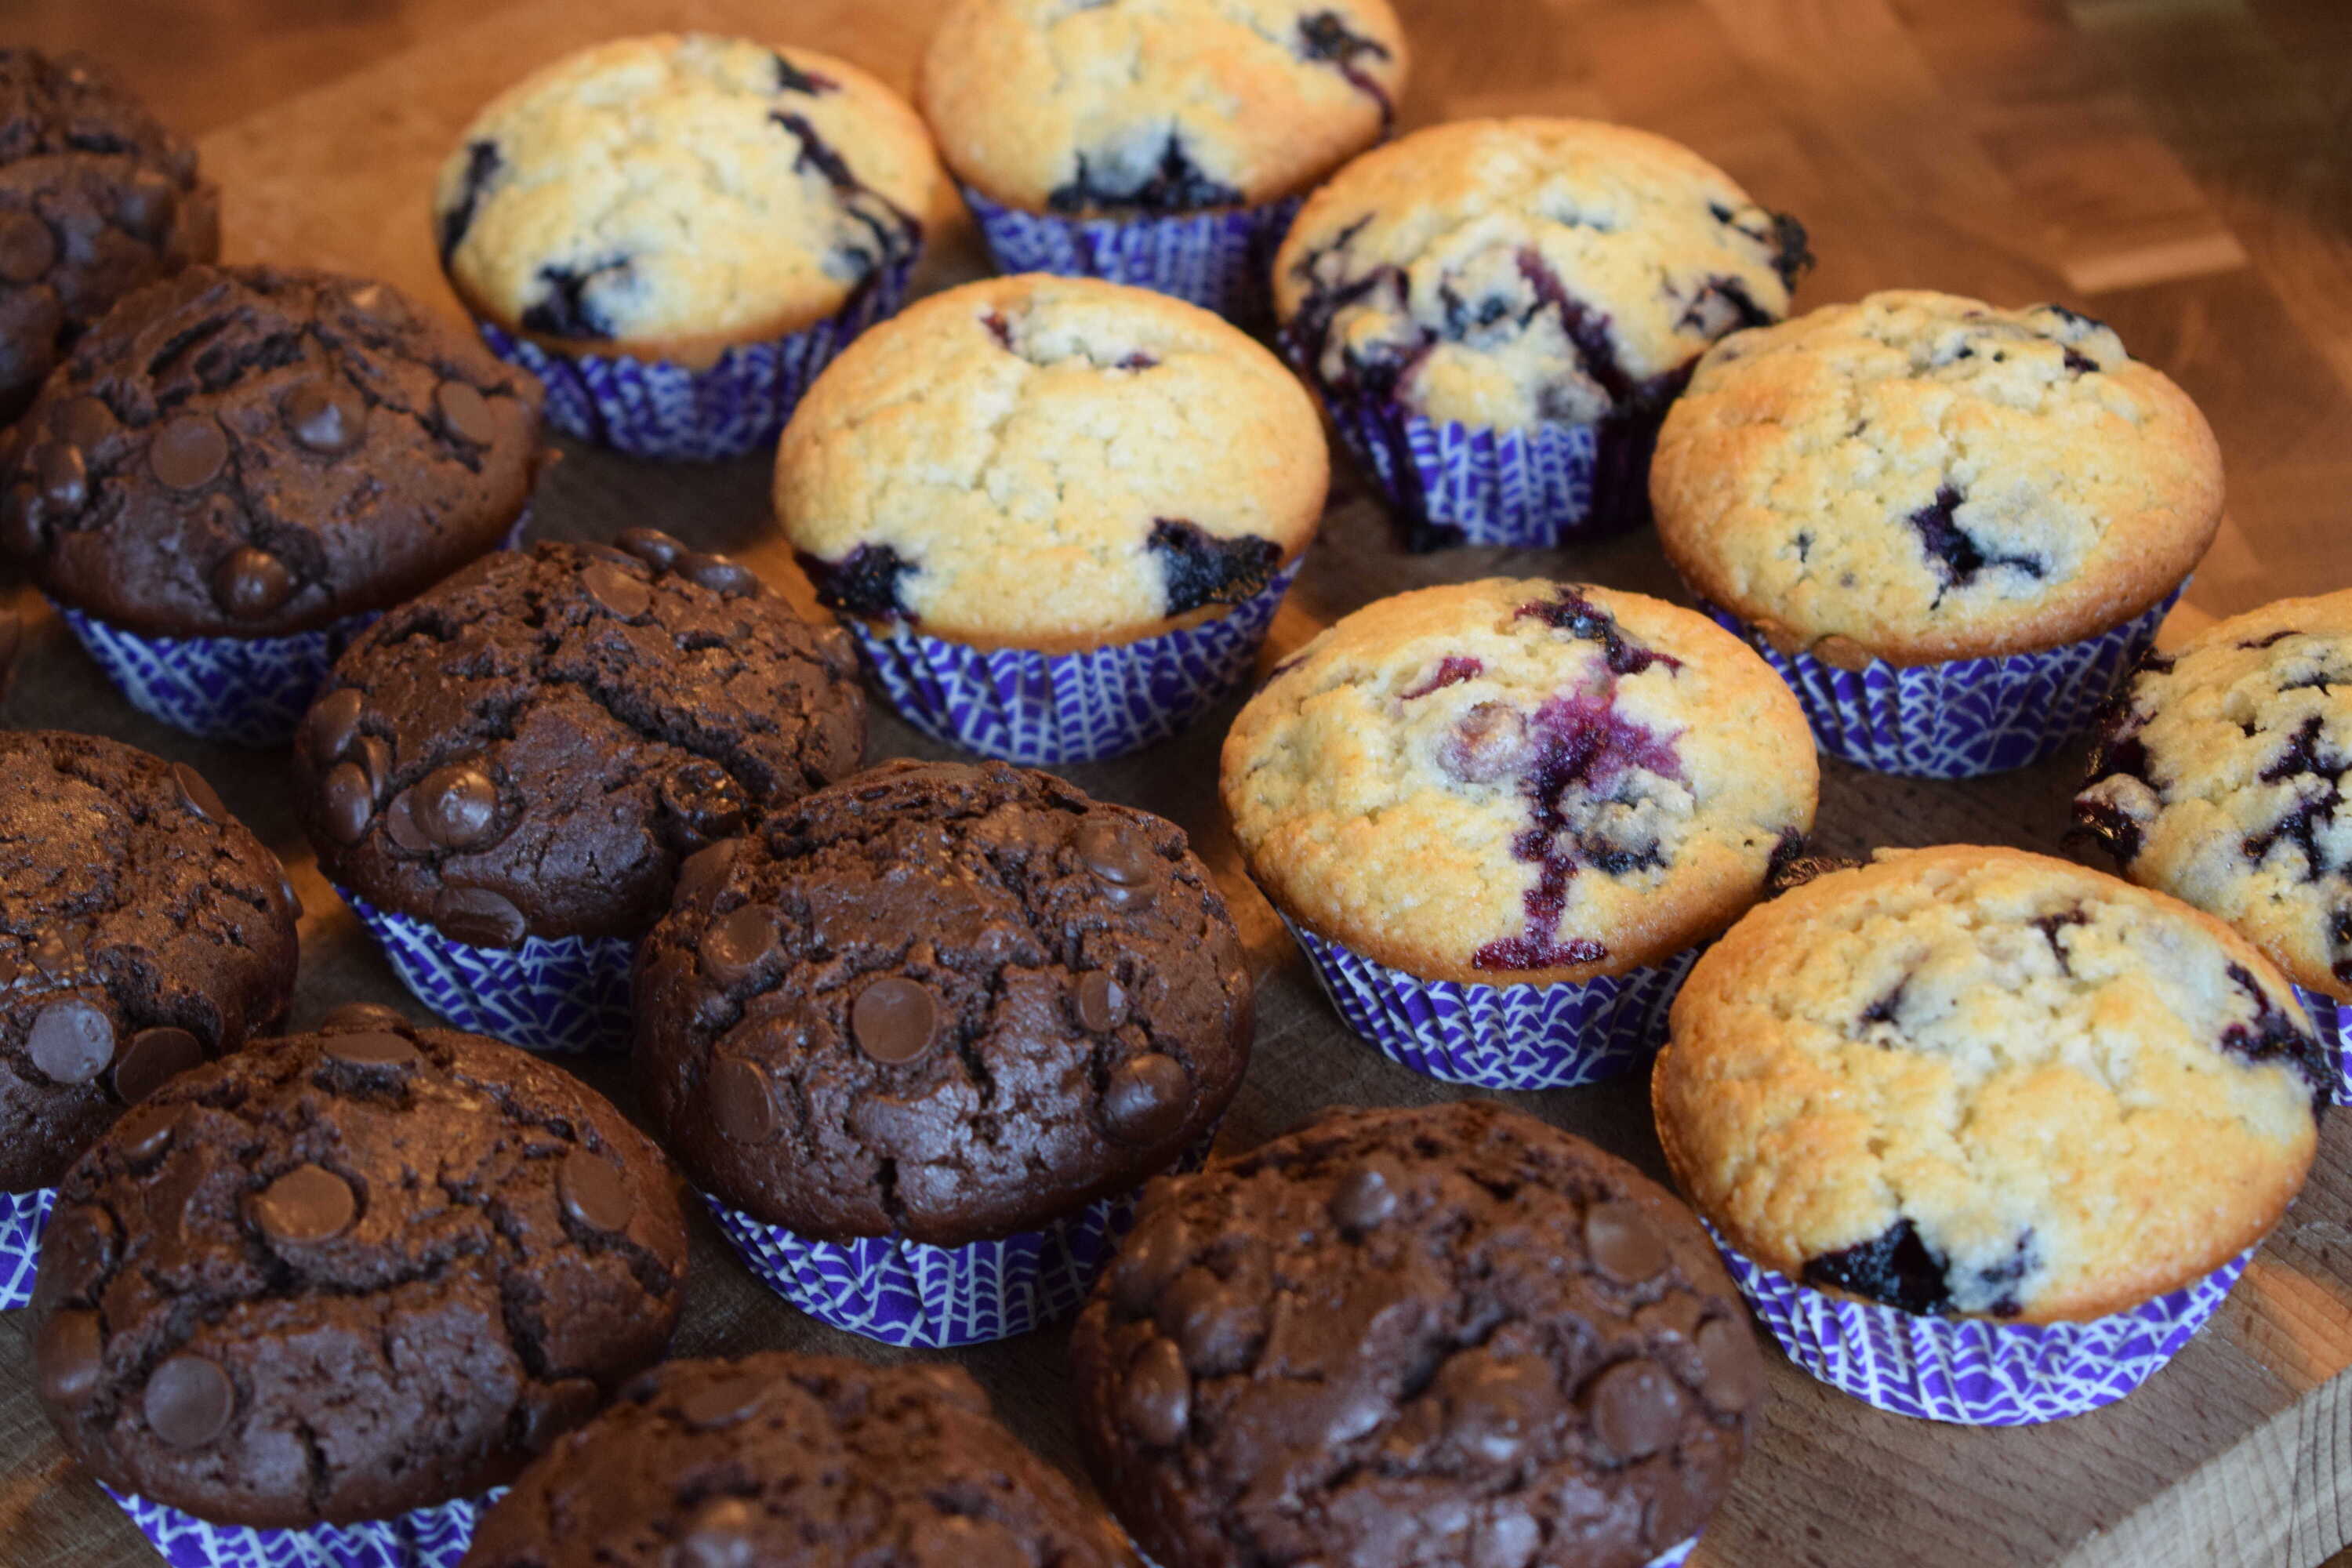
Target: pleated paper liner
(1220,260)
(23,1216)
(563,995)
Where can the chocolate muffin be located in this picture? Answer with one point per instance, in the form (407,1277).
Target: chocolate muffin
(1445,1335)
(828,1463)
(532,747)
(345,1275)
(251,451)
(943,1000)
(143,929)
(96,199)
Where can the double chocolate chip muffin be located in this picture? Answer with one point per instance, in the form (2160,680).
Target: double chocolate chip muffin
(941,1001)
(1445,1335)
(96,199)
(345,1275)
(143,929)
(828,1463)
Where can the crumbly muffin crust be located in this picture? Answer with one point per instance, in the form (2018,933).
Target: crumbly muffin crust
(1050,463)
(672,195)
(1508,273)
(1157,106)
(1921,477)
(1980,1083)
(2219,778)
(1518,781)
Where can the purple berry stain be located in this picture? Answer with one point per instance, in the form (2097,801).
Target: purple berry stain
(1580,617)
(1451,671)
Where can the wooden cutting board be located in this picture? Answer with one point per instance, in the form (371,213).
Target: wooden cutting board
(2016,150)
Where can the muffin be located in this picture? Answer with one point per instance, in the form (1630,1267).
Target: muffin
(830,1463)
(672,313)
(920,1034)
(1166,146)
(141,930)
(96,199)
(1499,816)
(1986,1136)
(255,1313)
(2217,777)
(1449,1334)
(1498,312)
(504,774)
(1950,527)
(239,463)
(1057,513)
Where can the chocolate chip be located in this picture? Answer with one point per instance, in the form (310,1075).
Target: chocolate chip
(374,1044)
(894,1020)
(347,802)
(153,1057)
(466,412)
(1734,1371)
(651,545)
(251,584)
(615,589)
(198,795)
(1635,1407)
(734,946)
(1622,1243)
(143,1134)
(61,476)
(731,579)
(1114,854)
(727,1402)
(373,1017)
(28,248)
(1156,1403)
(1146,1100)
(478,917)
(703,871)
(86,421)
(722,1535)
(69,1354)
(327,417)
(1101,1002)
(1217,1329)
(594,1193)
(456,806)
(286,891)
(188,453)
(308,1203)
(145,202)
(373,754)
(400,823)
(70,1041)
(550,1412)
(742,1103)
(1157,1252)
(334,724)
(704,800)
(189,1401)
(1365,1199)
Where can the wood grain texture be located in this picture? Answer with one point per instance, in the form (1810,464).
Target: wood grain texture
(2182,168)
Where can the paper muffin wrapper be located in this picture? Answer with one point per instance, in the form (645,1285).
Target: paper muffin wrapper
(2333,1020)
(1964,717)
(427,1538)
(678,413)
(1041,709)
(1220,260)
(567,994)
(1499,1036)
(23,1216)
(1976,1371)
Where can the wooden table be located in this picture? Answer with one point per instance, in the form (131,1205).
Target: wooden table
(2182,168)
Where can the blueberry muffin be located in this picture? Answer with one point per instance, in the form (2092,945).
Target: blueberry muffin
(2219,773)
(1050,464)
(345,1275)
(1501,782)
(1170,108)
(943,1000)
(533,747)
(829,1462)
(96,199)
(672,196)
(1450,1334)
(143,929)
(1920,477)
(1977,1082)
(250,451)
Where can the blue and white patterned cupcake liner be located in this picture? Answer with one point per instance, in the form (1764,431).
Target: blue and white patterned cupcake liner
(23,1217)
(245,691)
(2333,1020)
(1499,1036)
(569,994)
(1042,708)
(1220,260)
(427,1538)
(679,412)
(1963,717)
(1973,1370)
(1675,1556)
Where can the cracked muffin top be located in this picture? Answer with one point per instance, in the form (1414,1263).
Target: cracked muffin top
(143,929)
(830,1463)
(1050,463)
(1508,273)
(343,1275)
(533,747)
(1921,477)
(1451,1334)
(673,195)
(251,451)
(1978,1082)
(1505,782)
(1157,106)
(948,1001)
(95,200)
(2219,778)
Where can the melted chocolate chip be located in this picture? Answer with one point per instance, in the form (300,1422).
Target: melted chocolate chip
(188,453)
(1101,1001)
(615,590)
(729,1402)
(1636,1409)
(478,917)
(198,795)
(334,724)
(894,1020)
(189,1401)
(347,802)
(27,247)
(704,801)
(145,1134)
(651,545)
(702,873)
(466,412)
(594,1193)
(1114,854)
(1366,1198)
(373,1046)
(1197,568)
(1146,1100)
(1622,1243)
(252,584)
(456,806)
(309,1204)
(70,1353)
(733,948)
(153,1057)
(145,203)
(742,1101)
(1155,1403)
(327,417)
(85,422)
(70,1041)
(728,578)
